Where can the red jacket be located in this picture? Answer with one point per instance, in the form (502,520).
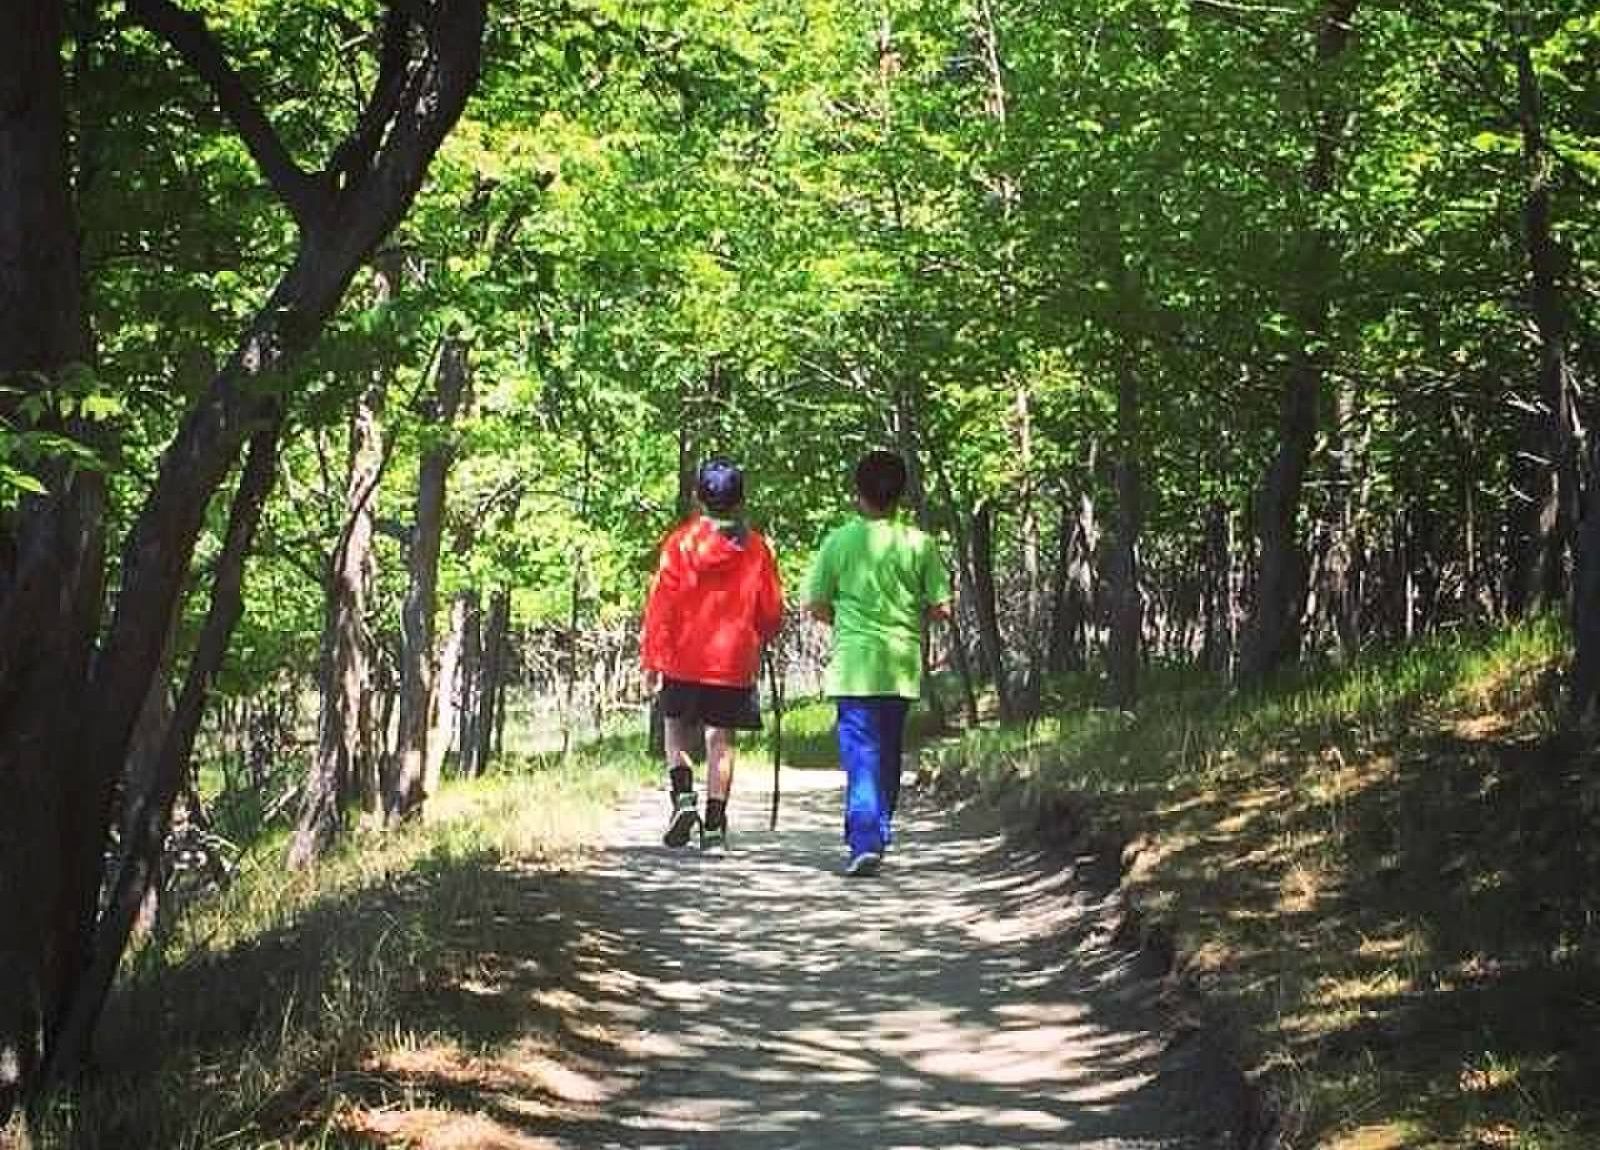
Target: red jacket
(714,600)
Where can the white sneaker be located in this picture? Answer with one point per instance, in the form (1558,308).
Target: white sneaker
(864,864)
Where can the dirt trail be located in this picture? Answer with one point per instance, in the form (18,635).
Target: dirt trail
(965,997)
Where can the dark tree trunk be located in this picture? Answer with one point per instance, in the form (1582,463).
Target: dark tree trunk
(961,606)
(1544,469)
(985,601)
(1084,588)
(1273,634)
(1061,652)
(144,761)
(1124,609)
(1583,684)
(344,770)
(1030,687)
(446,707)
(51,564)
(492,689)
(405,788)
(150,812)
(472,670)
(1342,560)
(962,663)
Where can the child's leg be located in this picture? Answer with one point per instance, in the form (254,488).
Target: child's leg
(859,754)
(891,715)
(719,774)
(684,813)
(680,762)
(719,762)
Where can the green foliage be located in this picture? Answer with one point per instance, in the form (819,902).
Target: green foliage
(789,232)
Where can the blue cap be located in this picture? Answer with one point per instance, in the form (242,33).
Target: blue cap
(720,485)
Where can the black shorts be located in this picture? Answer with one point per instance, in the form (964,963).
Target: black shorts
(733,708)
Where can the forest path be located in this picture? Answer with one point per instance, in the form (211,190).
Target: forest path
(966,996)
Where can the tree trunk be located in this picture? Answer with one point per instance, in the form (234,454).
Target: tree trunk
(150,812)
(1059,655)
(471,684)
(405,789)
(986,603)
(1216,650)
(446,698)
(1273,633)
(1085,588)
(1343,556)
(1030,688)
(1124,610)
(1544,469)
(51,565)
(575,611)
(144,759)
(963,665)
(491,687)
(1583,683)
(142,776)
(344,770)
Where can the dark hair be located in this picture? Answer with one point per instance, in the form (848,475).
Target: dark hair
(720,485)
(881,478)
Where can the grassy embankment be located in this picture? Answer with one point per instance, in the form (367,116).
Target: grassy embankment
(1384,881)
(259,1019)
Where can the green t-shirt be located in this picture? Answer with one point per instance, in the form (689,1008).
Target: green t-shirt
(880,576)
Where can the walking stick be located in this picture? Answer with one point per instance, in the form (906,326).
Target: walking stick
(775,689)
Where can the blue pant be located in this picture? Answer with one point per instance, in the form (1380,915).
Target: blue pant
(871,736)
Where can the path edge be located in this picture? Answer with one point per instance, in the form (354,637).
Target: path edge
(1101,847)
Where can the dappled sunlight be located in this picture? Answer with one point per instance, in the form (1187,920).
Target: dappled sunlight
(968,996)
(1406,925)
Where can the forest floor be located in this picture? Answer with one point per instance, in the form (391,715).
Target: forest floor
(486,981)
(970,995)
(1369,898)
(1381,885)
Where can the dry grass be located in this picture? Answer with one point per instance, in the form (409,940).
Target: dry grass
(1385,881)
(296,1009)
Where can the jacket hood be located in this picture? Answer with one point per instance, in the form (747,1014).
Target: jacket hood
(712,543)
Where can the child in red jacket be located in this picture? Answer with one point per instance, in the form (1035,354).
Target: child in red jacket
(714,601)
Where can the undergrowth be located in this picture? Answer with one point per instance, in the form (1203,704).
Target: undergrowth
(245,1023)
(1383,878)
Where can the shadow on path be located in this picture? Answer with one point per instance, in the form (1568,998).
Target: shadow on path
(968,996)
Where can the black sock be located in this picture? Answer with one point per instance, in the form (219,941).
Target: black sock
(716,814)
(682,781)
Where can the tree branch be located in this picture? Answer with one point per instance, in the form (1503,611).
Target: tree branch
(186,33)
(357,150)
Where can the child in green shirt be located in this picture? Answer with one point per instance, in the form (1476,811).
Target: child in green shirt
(877,581)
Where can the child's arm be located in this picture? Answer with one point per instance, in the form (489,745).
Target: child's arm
(659,606)
(819,588)
(935,586)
